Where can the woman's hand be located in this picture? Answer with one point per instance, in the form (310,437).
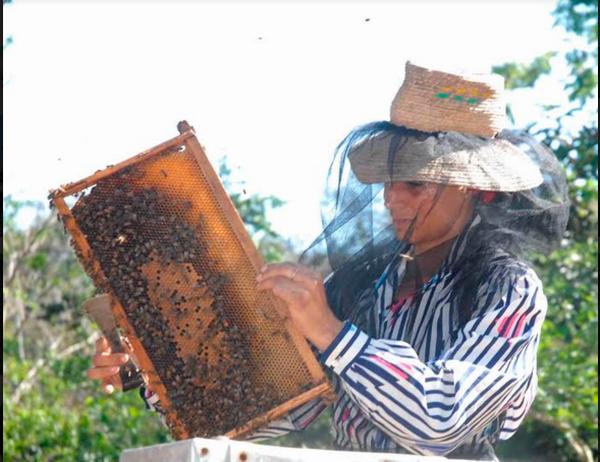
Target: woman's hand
(106,366)
(303,292)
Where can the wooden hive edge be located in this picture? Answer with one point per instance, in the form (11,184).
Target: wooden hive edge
(77,186)
(324,389)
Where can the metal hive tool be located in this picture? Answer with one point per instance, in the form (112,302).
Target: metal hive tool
(159,233)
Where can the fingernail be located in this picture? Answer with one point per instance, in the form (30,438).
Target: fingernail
(125,357)
(110,389)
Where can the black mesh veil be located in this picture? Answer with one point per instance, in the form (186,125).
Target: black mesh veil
(359,240)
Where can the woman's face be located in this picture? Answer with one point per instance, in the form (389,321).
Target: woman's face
(437,218)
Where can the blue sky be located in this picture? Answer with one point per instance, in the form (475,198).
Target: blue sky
(271,87)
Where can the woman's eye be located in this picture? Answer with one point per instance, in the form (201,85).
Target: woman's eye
(415,184)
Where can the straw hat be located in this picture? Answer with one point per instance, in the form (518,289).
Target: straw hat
(464,115)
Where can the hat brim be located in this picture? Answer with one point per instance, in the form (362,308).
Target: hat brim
(450,158)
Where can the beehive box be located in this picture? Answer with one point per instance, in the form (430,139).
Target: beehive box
(159,233)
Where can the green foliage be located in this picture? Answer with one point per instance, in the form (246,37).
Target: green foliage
(520,75)
(568,355)
(51,410)
(580,17)
(65,417)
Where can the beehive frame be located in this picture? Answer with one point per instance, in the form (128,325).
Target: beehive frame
(248,257)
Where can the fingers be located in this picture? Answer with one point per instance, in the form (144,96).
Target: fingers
(101,373)
(291,282)
(110,384)
(288,290)
(129,350)
(108,360)
(106,366)
(102,346)
(126,345)
(291,271)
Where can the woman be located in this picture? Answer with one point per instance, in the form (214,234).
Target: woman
(430,319)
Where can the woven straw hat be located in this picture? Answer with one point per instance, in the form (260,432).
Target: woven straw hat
(464,114)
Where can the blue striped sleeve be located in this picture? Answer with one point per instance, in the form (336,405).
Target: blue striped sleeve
(349,343)
(297,419)
(487,372)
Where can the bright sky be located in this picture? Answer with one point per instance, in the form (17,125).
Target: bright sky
(272,87)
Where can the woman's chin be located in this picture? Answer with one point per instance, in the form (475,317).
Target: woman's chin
(401,226)
(401,233)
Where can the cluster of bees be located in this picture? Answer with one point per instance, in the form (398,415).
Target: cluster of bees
(176,302)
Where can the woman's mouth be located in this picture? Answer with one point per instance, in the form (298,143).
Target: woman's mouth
(401,221)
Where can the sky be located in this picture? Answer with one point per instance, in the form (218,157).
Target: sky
(271,87)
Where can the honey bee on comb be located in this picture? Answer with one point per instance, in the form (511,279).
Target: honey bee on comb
(135,277)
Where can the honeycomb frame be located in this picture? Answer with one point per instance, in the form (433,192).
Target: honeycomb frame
(181,172)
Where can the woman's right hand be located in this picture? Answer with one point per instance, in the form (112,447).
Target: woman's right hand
(106,366)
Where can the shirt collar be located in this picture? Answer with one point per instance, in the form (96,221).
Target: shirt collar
(398,264)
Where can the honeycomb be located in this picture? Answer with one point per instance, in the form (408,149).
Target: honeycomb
(159,233)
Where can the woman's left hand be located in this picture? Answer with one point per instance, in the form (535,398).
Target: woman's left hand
(302,291)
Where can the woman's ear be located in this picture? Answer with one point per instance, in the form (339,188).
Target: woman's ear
(487,197)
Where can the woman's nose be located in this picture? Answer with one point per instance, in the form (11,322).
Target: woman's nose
(392,192)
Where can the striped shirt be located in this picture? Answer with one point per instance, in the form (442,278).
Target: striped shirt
(438,389)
